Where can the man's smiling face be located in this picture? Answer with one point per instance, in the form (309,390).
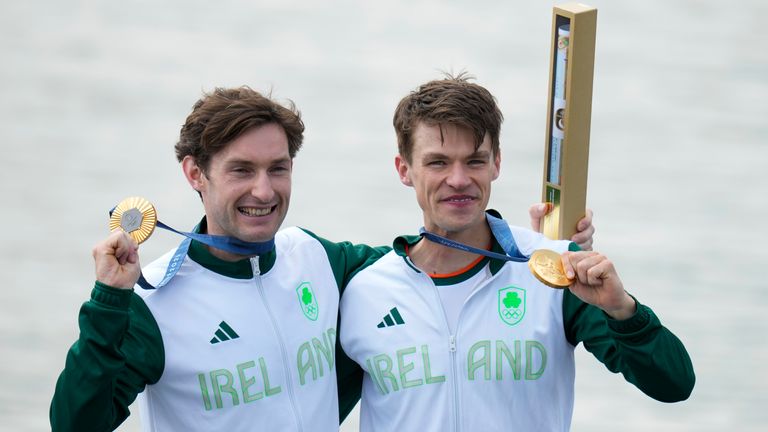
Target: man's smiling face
(246,188)
(452,179)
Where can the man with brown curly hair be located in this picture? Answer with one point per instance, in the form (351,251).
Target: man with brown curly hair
(233,340)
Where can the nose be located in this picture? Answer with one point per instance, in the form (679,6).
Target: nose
(458,177)
(261,188)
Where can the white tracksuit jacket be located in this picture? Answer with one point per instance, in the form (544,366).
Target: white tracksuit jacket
(507,367)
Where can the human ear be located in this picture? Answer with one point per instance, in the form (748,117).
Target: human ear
(403,171)
(193,173)
(496,164)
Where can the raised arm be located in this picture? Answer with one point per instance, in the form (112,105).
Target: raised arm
(623,334)
(119,349)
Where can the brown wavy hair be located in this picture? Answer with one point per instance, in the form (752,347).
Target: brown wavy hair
(221,116)
(452,100)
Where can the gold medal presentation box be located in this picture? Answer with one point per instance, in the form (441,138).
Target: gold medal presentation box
(568,118)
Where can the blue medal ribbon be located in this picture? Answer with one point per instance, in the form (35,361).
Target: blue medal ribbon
(500,231)
(228,244)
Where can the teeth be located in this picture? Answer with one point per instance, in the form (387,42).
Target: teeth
(250,211)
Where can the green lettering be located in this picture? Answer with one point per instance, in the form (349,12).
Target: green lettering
(405,368)
(331,333)
(204,390)
(529,347)
(373,374)
(268,391)
(502,350)
(386,372)
(484,361)
(428,378)
(245,383)
(226,386)
(305,361)
(322,347)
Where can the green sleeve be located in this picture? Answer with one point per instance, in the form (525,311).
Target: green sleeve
(119,351)
(640,347)
(346,260)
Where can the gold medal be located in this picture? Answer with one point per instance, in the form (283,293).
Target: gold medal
(547,266)
(136,216)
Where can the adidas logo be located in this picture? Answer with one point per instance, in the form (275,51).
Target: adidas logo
(224,333)
(391,319)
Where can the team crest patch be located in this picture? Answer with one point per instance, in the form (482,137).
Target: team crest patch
(511,305)
(307,300)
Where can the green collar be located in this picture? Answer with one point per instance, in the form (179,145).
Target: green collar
(241,269)
(408,241)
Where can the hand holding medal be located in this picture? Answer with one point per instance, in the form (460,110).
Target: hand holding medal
(596,282)
(116,258)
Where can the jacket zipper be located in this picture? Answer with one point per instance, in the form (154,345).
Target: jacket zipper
(452,350)
(283,351)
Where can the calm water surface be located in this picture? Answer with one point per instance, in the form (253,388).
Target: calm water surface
(94,93)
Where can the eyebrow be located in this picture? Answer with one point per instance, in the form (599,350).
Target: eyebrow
(247,162)
(480,154)
(433,155)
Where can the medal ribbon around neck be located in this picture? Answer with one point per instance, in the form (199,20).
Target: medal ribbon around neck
(543,263)
(137,217)
(501,232)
